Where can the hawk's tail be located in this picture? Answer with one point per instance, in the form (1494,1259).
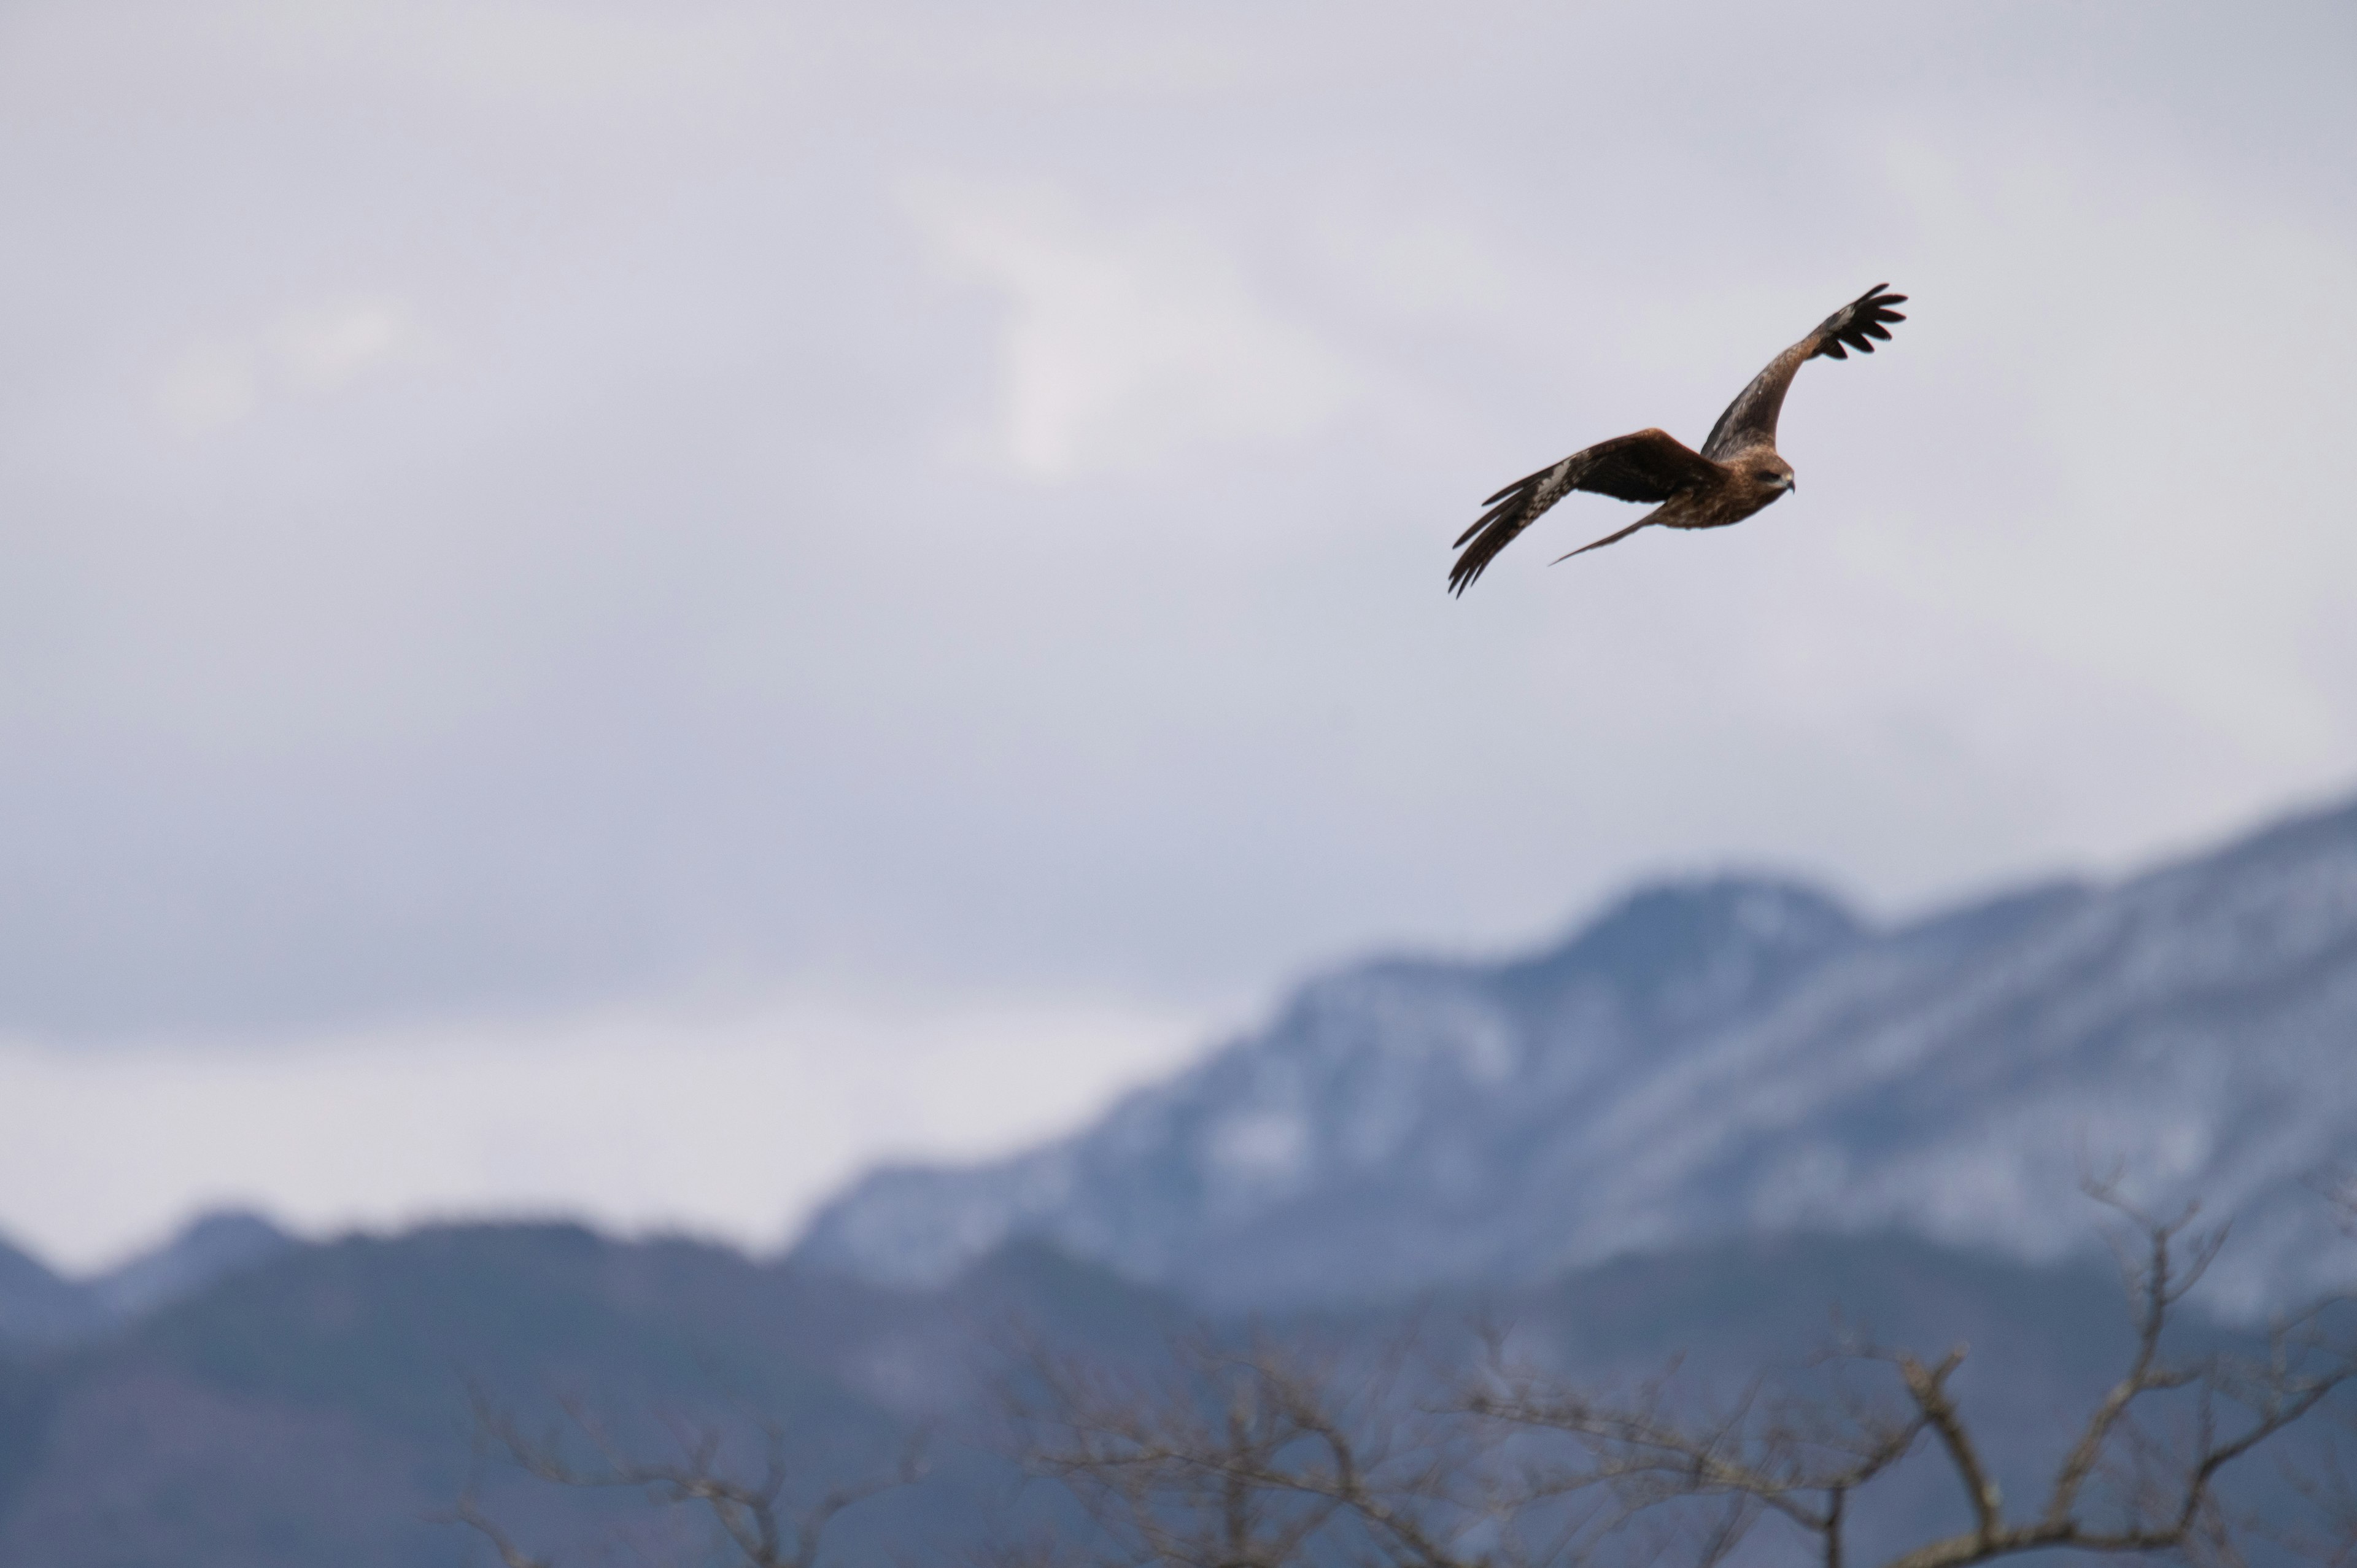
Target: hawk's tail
(1644,521)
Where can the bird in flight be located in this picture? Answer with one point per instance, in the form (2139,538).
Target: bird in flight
(1736,473)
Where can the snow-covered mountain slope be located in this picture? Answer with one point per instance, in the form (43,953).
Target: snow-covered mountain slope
(1727,1057)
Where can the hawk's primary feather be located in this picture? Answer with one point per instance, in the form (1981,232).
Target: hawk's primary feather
(1650,465)
(1751,419)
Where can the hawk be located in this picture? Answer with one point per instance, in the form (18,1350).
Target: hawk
(1736,473)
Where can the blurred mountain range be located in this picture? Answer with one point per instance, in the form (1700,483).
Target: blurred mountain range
(1716,1117)
(314,1408)
(1732,1058)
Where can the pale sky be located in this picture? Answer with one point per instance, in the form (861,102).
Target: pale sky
(885,563)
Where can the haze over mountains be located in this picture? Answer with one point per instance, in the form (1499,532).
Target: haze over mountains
(1729,1057)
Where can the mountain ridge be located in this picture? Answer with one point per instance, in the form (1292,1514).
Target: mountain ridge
(41,1309)
(1718,1057)
(316,1408)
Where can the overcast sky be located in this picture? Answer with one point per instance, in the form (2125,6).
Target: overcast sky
(883,566)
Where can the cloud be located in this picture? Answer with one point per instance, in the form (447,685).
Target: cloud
(212,384)
(524,52)
(512,507)
(323,349)
(727,1119)
(1123,345)
(219,381)
(2161,437)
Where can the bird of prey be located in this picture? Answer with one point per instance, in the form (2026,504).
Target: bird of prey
(1736,473)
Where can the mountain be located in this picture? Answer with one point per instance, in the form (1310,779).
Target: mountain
(39,1309)
(1721,1058)
(1718,1117)
(314,1407)
(210,1247)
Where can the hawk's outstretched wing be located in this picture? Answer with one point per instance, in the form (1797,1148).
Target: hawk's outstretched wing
(1751,419)
(1650,465)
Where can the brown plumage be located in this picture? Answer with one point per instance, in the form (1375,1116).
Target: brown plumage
(1736,473)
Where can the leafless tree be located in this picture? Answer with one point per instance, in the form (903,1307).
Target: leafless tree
(1251,1460)
(748,1512)
(1262,1454)
(2327,1478)
(1259,1456)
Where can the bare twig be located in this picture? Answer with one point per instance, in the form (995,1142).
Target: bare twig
(1803,1457)
(747,1511)
(1250,1458)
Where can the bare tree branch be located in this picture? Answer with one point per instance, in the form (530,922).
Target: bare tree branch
(1251,1458)
(1801,1458)
(1255,1455)
(747,1511)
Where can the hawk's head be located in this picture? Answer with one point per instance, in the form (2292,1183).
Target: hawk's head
(1769,477)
